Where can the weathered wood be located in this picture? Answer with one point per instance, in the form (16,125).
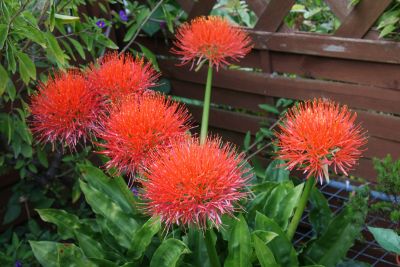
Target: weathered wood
(273,15)
(353,71)
(340,8)
(361,18)
(328,46)
(269,85)
(258,6)
(221,96)
(186,5)
(201,8)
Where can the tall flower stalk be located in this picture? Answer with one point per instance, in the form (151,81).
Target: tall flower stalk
(214,40)
(314,136)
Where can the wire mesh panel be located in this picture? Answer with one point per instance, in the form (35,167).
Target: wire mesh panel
(366,249)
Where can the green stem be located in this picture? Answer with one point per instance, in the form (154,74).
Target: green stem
(212,252)
(300,208)
(126,192)
(206,106)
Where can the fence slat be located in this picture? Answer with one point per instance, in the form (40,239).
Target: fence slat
(340,8)
(329,46)
(355,96)
(273,15)
(361,18)
(258,6)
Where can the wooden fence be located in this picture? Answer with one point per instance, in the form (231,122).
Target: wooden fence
(351,66)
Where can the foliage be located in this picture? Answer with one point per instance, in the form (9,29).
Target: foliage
(388,178)
(312,16)
(387,239)
(236,11)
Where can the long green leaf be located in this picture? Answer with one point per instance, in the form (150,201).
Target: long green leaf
(168,253)
(66,223)
(110,210)
(338,238)
(143,237)
(264,254)
(89,246)
(3,80)
(387,239)
(53,254)
(3,34)
(280,246)
(110,187)
(287,206)
(239,245)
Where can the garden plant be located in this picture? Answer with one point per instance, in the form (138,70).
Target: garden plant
(146,189)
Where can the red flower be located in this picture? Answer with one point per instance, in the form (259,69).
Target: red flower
(191,183)
(119,76)
(138,126)
(65,109)
(317,134)
(211,38)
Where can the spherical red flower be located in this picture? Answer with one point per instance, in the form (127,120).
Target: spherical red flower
(317,134)
(139,126)
(64,109)
(192,183)
(119,76)
(211,38)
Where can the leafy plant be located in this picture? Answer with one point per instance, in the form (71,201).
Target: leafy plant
(387,239)
(388,178)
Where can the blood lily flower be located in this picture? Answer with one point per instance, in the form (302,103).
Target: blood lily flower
(191,183)
(211,38)
(64,109)
(119,76)
(139,126)
(318,134)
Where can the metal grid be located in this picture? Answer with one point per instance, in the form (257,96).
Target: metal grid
(366,250)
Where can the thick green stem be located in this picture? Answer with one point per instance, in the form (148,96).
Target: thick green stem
(206,106)
(212,252)
(300,208)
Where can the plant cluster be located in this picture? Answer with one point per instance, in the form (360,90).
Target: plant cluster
(181,187)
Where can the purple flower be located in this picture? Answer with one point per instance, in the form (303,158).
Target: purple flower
(101,24)
(123,16)
(163,24)
(135,191)
(18,263)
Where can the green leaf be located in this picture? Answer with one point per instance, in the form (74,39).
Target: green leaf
(3,80)
(135,27)
(387,30)
(54,49)
(42,157)
(78,47)
(163,86)
(280,246)
(387,239)
(246,141)
(337,239)
(90,247)
(52,19)
(26,67)
(143,237)
(264,254)
(103,40)
(150,56)
(269,108)
(320,214)
(239,245)
(274,200)
(53,254)
(276,172)
(65,19)
(265,236)
(168,253)
(287,206)
(12,213)
(3,34)
(67,223)
(110,187)
(110,210)
(45,252)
